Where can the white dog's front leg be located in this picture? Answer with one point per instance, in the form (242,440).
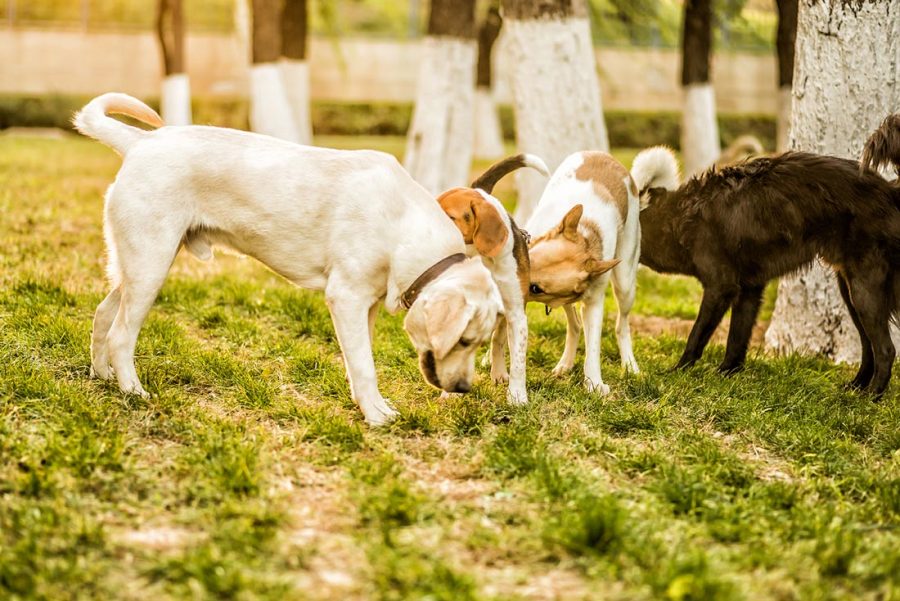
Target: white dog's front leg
(518,349)
(593,324)
(573,335)
(351,323)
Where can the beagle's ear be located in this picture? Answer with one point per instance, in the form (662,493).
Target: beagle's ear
(491,231)
(595,267)
(569,225)
(446,318)
(458,206)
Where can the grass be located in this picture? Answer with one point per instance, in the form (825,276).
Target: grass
(249,474)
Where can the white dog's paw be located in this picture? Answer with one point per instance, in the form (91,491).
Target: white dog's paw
(101,373)
(631,365)
(135,388)
(597,387)
(562,369)
(381,414)
(448,395)
(517,395)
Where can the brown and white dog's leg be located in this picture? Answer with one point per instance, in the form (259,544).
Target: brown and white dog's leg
(624,278)
(592,315)
(573,335)
(517,326)
(497,357)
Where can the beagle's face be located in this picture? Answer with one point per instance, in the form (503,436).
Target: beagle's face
(562,264)
(479,221)
(452,317)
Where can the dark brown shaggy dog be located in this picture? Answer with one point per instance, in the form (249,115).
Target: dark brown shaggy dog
(737,228)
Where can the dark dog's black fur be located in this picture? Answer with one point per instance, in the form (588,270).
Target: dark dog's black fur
(738,228)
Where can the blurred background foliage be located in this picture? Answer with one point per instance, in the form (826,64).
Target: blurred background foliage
(740,24)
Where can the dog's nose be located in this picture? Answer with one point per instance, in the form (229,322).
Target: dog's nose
(462,386)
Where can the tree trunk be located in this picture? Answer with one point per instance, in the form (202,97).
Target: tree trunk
(556,92)
(176,88)
(848,57)
(295,68)
(439,142)
(699,130)
(488,135)
(270,111)
(784,40)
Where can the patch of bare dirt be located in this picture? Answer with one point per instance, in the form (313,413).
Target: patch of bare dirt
(653,325)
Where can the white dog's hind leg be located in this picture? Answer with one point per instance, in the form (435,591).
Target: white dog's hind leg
(624,283)
(103,320)
(518,349)
(592,314)
(497,355)
(350,316)
(573,335)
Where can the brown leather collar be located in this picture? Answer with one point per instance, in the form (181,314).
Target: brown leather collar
(428,276)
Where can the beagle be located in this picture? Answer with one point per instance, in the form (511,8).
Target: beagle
(489,231)
(353,224)
(586,225)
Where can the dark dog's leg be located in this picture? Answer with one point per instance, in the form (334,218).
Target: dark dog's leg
(866,364)
(712,308)
(867,290)
(743,316)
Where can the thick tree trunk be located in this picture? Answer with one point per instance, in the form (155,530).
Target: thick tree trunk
(848,58)
(699,129)
(439,142)
(295,68)
(488,135)
(270,111)
(785,39)
(555,88)
(176,89)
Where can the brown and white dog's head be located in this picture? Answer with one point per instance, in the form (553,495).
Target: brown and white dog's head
(480,222)
(451,318)
(564,262)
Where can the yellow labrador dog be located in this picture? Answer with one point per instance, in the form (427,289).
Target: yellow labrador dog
(351,223)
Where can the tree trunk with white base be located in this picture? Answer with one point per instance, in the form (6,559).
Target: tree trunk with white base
(294,66)
(700,146)
(847,61)
(785,38)
(555,88)
(488,135)
(439,141)
(270,111)
(175,99)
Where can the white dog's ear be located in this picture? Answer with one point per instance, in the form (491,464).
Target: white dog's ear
(446,318)
(490,232)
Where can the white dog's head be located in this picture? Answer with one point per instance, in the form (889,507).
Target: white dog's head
(452,317)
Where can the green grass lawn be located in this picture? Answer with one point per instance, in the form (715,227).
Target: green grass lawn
(249,473)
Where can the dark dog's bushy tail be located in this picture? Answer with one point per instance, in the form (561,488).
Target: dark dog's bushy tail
(498,170)
(883,146)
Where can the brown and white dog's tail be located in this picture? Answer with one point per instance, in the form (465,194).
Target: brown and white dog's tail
(654,167)
(93,120)
(883,146)
(498,170)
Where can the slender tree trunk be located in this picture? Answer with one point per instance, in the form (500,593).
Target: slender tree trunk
(439,142)
(556,91)
(295,68)
(785,39)
(270,111)
(699,130)
(176,87)
(488,135)
(848,58)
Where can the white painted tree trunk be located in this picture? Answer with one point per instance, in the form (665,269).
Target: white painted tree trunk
(270,112)
(439,141)
(175,102)
(242,29)
(295,74)
(845,82)
(700,146)
(556,96)
(488,134)
(783,123)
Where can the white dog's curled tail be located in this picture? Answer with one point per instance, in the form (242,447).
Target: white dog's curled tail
(93,120)
(654,167)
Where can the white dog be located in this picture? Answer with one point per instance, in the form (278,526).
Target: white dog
(587,223)
(491,233)
(351,223)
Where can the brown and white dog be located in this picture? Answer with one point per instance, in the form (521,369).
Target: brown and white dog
(586,225)
(489,231)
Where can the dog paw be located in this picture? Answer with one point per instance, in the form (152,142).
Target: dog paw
(101,373)
(381,415)
(517,396)
(631,366)
(596,387)
(562,369)
(500,377)
(729,369)
(135,389)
